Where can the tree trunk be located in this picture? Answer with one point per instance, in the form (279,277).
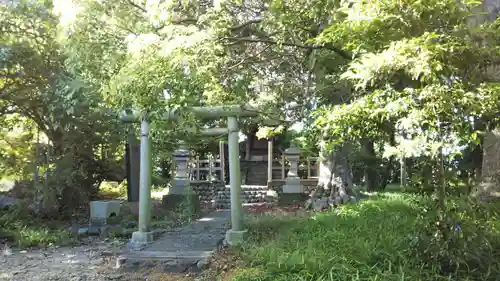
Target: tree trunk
(477,152)
(165,169)
(387,173)
(408,164)
(37,159)
(336,174)
(490,181)
(371,177)
(403,172)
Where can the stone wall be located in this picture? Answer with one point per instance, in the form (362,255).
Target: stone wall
(220,195)
(206,191)
(250,194)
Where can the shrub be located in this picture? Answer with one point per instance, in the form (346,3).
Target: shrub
(463,242)
(382,238)
(20,229)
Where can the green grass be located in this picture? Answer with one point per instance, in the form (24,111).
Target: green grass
(21,230)
(113,190)
(118,191)
(364,241)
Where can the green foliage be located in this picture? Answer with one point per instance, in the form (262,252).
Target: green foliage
(17,151)
(367,241)
(113,190)
(38,89)
(344,244)
(462,242)
(19,228)
(412,72)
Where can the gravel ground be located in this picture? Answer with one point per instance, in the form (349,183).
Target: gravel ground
(91,262)
(85,262)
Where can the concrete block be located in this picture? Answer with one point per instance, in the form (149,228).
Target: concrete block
(101,211)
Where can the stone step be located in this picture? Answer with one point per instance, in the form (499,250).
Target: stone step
(166,261)
(256,182)
(227,206)
(166,255)
(227,196)
(242,195)
(257,172)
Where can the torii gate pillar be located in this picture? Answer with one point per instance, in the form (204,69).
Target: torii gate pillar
(236,234)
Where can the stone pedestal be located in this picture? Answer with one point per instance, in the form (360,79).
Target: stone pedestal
(293,191)
(140,239)
(174,201)
(236,237)
(104,212)
(180,189)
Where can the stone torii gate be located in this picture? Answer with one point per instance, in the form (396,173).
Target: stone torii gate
(236,234)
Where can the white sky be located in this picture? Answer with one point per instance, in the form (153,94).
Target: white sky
(66,10)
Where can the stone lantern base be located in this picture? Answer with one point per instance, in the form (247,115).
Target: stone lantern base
(236,237)
(174,201)
(293,193)
(287,199)
(180,192)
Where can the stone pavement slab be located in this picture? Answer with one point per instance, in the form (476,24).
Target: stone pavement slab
(189,249)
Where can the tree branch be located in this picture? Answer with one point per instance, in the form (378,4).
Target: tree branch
(178,22)
(245,24)
(132,3)
(330,47)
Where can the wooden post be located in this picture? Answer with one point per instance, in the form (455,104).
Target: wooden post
(269,160)
(198,168)
(308,168)
(283,176)
(222,162)
(210,162)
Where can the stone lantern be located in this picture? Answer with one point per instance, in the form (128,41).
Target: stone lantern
(293,191)
(180,186)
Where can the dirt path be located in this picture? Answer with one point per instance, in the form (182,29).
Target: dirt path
(80,263)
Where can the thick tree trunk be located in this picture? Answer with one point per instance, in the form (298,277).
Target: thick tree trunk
(371,176)
(336,174)
(489,171)
(386,176)
(490,182)
(477,161)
